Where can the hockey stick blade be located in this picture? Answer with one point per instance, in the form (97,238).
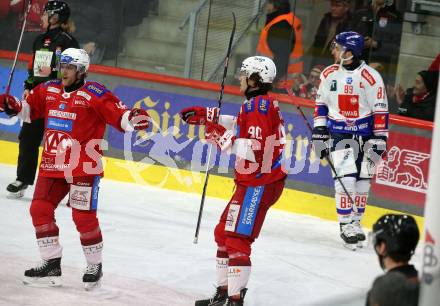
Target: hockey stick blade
(220,98)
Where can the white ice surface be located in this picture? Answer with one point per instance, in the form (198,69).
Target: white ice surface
(149,257)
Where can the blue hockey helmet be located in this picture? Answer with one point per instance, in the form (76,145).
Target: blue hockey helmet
(351,41)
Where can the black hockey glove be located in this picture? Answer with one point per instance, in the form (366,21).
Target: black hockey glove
(320,136)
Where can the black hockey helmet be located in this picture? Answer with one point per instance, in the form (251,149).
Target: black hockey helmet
(61,8)
(400,234)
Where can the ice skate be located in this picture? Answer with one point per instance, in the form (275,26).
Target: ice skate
(46,274)
(348,234)
(220,297)
(16,189)
(359,234)
(92,276)
(233,302)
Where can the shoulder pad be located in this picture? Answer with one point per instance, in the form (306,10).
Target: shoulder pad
(95,88)
(327,71)
(52,83)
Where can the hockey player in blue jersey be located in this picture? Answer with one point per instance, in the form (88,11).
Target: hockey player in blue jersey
(351,119)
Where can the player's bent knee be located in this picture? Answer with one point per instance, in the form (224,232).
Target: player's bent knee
(219,234)
(85,221)
(42,212)
(238,245)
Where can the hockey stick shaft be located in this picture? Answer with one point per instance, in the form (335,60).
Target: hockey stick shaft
(220,98)
(23,26)
(327,158)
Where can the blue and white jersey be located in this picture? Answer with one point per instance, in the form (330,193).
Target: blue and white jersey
(352,102)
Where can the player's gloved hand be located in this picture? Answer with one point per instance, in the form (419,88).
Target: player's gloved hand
(217,134)
(377,143)
(139,118)
(199,115)
(320,136)
(10,105)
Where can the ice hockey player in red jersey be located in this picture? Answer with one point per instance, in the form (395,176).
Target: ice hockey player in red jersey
(351,113)
(259,178)
(76,113)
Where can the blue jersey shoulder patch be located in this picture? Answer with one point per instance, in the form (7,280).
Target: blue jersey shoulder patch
(51,82)
(95,88)
(249,106)
(263,106)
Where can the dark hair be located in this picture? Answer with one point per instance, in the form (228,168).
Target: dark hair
(281,5)
(263,87)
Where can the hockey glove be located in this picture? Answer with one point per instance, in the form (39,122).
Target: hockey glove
(377,143)
(139,118)
(199,115)
(10,105)
(320,136)
(217,134)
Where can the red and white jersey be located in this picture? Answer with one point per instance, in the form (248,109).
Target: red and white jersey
(75,124)
(352,102)
(260,120)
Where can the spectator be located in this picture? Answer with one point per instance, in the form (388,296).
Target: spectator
(47,48)
(309,89)
(381,25)
(395,239)
(281,40)
(332,23)
(419,101)
(393,289)
(97,24)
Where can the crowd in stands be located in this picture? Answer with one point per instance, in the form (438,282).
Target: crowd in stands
(380,23)
(98,23)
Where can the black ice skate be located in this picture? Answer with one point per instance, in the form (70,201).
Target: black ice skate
(218,299)
(92,276)
(233,302)
(360,235)
(348,234)
(16,189)
(46,274)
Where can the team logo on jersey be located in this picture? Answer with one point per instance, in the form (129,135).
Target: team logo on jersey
(263,106)
(353,100)
(56,142)
(62,106)
(383,21)
(333,86)
(349,80)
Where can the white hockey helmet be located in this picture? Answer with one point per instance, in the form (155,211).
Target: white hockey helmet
(76,57)
(263,66)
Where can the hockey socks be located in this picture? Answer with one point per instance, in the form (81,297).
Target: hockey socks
(48,241)
(239,271)
(343,203)
(92,247)
(222,267)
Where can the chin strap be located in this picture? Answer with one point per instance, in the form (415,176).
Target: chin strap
(341,59)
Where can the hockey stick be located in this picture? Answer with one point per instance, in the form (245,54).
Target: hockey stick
(11,74)
(208,162)
(327,158)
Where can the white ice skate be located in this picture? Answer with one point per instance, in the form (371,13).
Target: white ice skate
(348,234)
(359,234)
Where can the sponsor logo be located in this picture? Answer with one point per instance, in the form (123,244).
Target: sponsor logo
(80,103)
(250,216)
(430,260)
(403,169)
(333,86)
(50,98)
(66,95)
(367,76)
(59,124)
(249,106)
(60,114)
(353,100)
(62,106)
(96,89)
(84,95)
(380,105)
(350,114)
(231,219)
(349,80)
(53,89)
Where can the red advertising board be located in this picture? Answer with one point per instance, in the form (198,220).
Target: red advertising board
(403,175)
